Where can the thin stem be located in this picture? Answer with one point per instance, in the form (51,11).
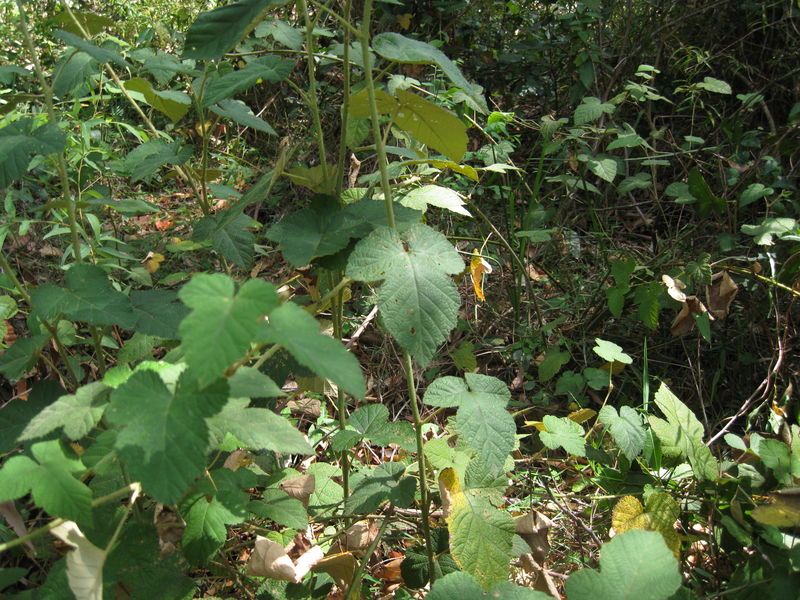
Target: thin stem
(312,97)
(345,103)
(355,583)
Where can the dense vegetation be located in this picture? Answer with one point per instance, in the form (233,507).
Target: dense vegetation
(440,299)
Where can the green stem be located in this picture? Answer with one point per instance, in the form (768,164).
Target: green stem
(355,585)
(312,96)
(340,163)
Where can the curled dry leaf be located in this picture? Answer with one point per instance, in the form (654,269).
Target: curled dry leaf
(684,321)
(299,488)
(358,537)
(340,566)
(478,268)
(236,459)
(84,563)
(169,526)
(534,527)
(720,294)
(270,559)
(675,288)
(14,520)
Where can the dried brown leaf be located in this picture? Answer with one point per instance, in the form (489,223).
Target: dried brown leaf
(720,294)
(684,321)
(299,488)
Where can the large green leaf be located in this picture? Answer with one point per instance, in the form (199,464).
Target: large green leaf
(626,427)
(682,434)
(16,415)
(222,324)
(21,356)
(707,202)
(161,65)
(215,32)
(169,102)
(103,55)
(239,112)
(418,301)
(267,68)
(463,586)
(158,313)
(277,506)
(591,109)
(480,538)
(229,235)
(144,161)
(164,439)
(432,125)
(257,428)
(434,195)
(636,565)
(452,391)
(73,70)
(77,413)
(20,142)
(563,432)
(488,429)
(213,504)
(369,488)
(298,332)
(396,47)
(88,296)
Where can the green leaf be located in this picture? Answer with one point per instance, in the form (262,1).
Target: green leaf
(171,103)
(73,70)
(604,168)
(648,297)
(464,587)
(77,413)
(281,32)
(212,505)
(777,457)
(159,64)
(417,300)
(563,432)
(554,359)
(277,506)
(626,427)
(222,324)
(229,236)
(17,414)
(753,193)
(158,313)
(21,356)
(640,181)
(164,439)
(488,429)
(20,142)
(372,487)
(712,84)
(480,539)
(610,352)
(144,161)
(432,125)
(238,111)
(298,332)
(445,392)
(215,32)
(464,357)
(399,48)
(257,428)
(633,565)
(88,296)
(248,382)
(104,55)
(434,195)
(774,226)
(16,476)
(682,434)
(267,68)
(591,109)
(707,202)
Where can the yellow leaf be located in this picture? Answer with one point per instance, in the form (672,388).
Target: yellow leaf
(152,261)
(625,512)
(538,424)
(478,268)
(404,20)
(582,415)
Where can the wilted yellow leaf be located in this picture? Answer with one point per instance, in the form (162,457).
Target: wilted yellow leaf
(478,268)
(582,415)
(404,20)
(152,261)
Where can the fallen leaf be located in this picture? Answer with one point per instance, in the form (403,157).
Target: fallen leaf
(299,488)
(270,559)
(84,563)
(169,527)
(152,261)
(534,528)
(684,322)
(358,537)
(720,294)
(164,225)
(9,511)
(340,566)
(675,288)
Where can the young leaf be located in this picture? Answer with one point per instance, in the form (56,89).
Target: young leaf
(562,432)
(54,488)
(397,47)
(215,32)
(636,564)
(610,352)
(298,332)
(418,301)
(88,296)
(77,413)
(222,324)
(434,195)
(164,439)
(626,427)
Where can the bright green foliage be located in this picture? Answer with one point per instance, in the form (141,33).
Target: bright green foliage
(157,312)
(434,195)
(563,432)
(604,168)
(372,487)
(229,236)
(248,382)
(480,538)
(648,297)
(626,427)
(49,480)
(277,506)
(215,32)
(464,587)
(591,109)
(298,332)
(682,434)
(432,125)
(143,162)
(451,391)
(611,352)
(171,103)
(20,141)
(213,504)
(488,429)
(369,422)
(223,323)
(77,413)
(164,437)
(418,301)
(633,566)
(100,54)
(257,428)
(267,68)
(396,47)
(765,232)
(88,296)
